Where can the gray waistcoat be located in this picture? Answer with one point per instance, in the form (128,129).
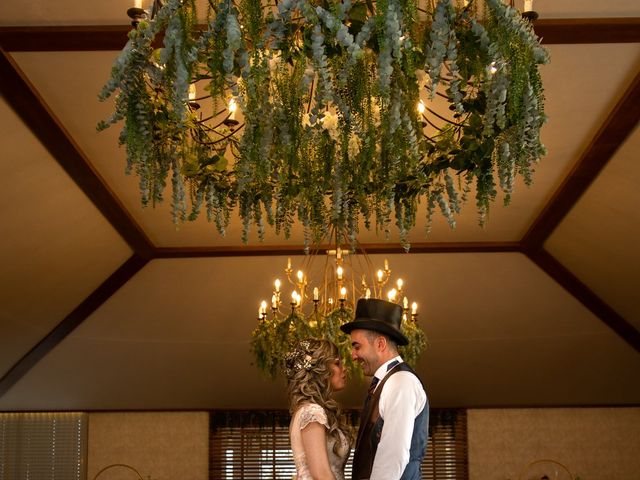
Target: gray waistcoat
(371,429)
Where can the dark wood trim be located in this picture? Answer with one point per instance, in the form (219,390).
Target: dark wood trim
(34,112)
(114,37)
(64,38)
(89,305)
(369,248)
(588,30)
(586,296)
(612,134)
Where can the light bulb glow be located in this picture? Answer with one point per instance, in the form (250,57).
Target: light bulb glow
(316,293)
(300,276)
(391,295)
(421,107)
(380,275)
(343,293)
(339,272)
(367,294)
(414,308)
(405,303)
(276,284)
(399,283)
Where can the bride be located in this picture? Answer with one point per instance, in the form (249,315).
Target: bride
(320,443)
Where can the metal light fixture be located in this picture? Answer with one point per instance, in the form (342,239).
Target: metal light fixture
(315,299)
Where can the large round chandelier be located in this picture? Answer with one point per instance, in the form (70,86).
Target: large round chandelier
(328,113)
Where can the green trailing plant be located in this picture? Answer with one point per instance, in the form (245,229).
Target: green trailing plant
(329,134)
(275,336)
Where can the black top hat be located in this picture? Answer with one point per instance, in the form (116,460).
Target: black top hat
(380,316)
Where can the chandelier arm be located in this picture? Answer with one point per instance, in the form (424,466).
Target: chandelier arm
(313,83)
(215,142)
(444,119)
(202,120)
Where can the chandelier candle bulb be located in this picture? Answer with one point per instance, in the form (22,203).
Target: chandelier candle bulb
(367,293)
(274,302)
(300,276)
(414,308)
(276,284)
(399,283)
(339,273)
(405,303)
(343,293)
(528,6)
(192,92)
(421,107)
(380,276)
(137,4)
(316,294)
(233,106)
(392,295)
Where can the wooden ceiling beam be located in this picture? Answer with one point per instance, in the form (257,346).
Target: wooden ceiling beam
(89,305)
(620,123)
(114,37)
(615,130)
(625,330)
(369,248)
(24,99)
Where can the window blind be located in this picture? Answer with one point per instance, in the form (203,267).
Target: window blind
(254,445)
(446,456)
(43,446)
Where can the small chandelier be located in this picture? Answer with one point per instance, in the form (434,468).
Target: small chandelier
(336,113)
(320,298)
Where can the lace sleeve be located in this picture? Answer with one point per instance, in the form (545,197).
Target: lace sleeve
(312,413)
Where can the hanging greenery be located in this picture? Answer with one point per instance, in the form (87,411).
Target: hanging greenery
(275,336)
(328,92)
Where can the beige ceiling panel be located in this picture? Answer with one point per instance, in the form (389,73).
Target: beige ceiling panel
(177,336)
(598,240)
(69,82)
(65,12)
(56,246)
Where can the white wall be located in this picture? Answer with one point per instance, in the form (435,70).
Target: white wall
(594,443)
(159,445)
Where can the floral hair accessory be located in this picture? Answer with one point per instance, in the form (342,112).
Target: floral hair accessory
(298,358)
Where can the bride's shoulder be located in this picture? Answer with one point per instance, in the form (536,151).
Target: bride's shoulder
(311,412)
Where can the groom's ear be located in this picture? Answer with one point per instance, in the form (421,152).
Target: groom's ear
(380,343)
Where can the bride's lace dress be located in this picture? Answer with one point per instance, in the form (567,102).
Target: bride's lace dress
(312,412)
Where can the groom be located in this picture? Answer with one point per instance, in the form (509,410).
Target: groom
(394,424)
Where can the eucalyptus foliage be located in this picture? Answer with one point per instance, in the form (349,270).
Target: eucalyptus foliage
(328,94)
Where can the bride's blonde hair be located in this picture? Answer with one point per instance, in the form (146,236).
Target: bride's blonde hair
(308,370)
